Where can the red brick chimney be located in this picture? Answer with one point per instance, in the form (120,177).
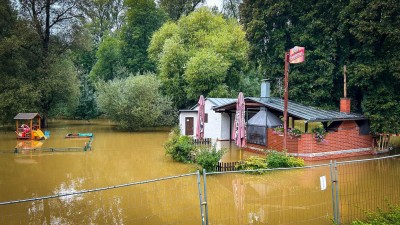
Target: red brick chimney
(345,102)
(345,105)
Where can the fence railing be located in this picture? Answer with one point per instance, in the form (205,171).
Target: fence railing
(202,141)
(226,166)
(338,192)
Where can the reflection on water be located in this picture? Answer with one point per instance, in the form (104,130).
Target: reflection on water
(280,197)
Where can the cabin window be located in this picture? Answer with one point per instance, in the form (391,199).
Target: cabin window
(206,118)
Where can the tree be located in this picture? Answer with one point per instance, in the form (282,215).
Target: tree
(135,102)
(108,65)
(360,34)
(143,18)
(177,8)
(87,106)
(104,16)
(18,46)
(47,16)
(374,68)
(230,8)
(199,54)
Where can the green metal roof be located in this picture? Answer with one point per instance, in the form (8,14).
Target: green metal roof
(307,113)
(218,102)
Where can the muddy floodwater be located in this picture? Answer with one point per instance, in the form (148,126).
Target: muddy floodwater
(128,158)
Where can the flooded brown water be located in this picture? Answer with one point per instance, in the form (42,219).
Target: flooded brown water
(282,197)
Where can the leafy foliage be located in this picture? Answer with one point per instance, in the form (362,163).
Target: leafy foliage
(201,53)
(360,34)
(179,147)
(274,159)
(143,18)
(392,216)
(135,102)
(320,133)
(177,8)
(108,65)
(277,159)
(208,157)
(252,163)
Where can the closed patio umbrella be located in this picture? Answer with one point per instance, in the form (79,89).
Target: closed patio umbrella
(239,134)
(200,119)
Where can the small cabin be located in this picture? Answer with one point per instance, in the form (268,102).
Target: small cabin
(28,126)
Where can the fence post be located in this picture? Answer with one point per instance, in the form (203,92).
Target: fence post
(205,194)
(200,198)
(335,192)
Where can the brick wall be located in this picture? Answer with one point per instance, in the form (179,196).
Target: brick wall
(347,140)
(275,142)
(345,105)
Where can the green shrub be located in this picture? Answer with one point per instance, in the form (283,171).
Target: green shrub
(277,159)
(252,163)
(135,102)
(392,216)
(180,148)
(208,157)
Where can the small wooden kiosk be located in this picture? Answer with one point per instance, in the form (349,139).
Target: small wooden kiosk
(29,127)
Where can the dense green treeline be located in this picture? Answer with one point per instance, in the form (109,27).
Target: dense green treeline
(64,58)
(361,34)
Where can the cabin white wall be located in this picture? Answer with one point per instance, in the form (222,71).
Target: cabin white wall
(217,126)
(212,129)
(182,117)
(225,134)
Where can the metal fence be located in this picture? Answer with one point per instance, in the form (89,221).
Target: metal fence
(168,200)
(365,186)
(337,192)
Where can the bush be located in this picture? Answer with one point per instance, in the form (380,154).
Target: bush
(180,148)
(274,159)
(277,159)
(252,163)
(208,157)
(390,217)
(135,102)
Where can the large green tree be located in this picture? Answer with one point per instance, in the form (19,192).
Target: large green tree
(374,66)
(18,46)
(54,23)
(200,54)
(177,8)
(360,34)
(143,17)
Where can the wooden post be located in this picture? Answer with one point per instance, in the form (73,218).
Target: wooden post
(306,128)
(286,99)
(16,122)
(39,127)
(345,82)
(30,123)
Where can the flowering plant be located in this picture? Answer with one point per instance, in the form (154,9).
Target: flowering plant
(278,130)
(320,134)
(294,132)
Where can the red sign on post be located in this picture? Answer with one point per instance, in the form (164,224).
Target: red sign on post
(296,55)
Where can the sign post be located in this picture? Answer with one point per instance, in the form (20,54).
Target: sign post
(295,55)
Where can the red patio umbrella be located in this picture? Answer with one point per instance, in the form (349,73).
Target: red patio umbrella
(239,134)
(200,119)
